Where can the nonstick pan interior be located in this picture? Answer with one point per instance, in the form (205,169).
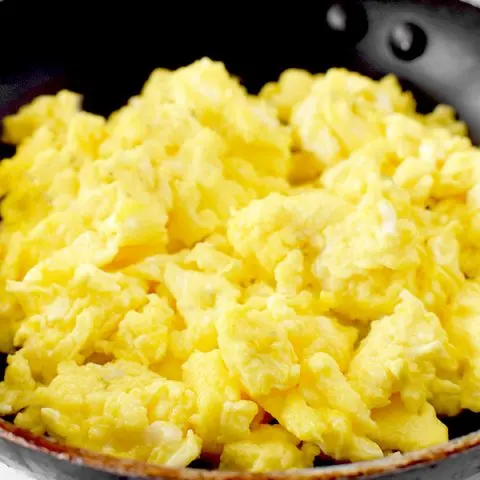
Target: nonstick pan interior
(433,46)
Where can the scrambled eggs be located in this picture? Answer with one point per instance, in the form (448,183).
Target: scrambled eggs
(255,279)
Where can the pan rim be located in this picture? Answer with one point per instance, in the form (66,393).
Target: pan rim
(87,458)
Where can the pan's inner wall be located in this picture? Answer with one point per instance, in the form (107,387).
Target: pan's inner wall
(108,58)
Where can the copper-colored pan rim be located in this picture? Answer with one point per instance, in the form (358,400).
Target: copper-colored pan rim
(87,458)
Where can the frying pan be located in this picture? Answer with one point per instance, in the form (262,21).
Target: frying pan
(433,46)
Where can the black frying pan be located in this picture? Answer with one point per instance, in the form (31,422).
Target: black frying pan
(433,46)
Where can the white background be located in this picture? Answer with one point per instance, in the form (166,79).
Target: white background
(9,474)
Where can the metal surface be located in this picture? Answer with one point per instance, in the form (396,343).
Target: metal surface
(42,458)
(438,58)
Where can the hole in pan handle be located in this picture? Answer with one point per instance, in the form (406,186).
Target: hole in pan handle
(434,46)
